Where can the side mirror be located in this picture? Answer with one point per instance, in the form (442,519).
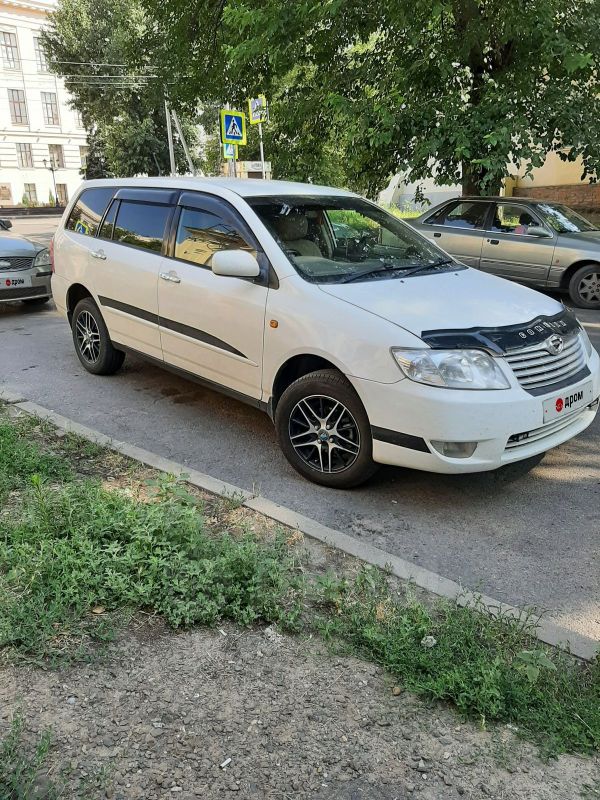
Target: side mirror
(537,230)
(235,264)
(6,224)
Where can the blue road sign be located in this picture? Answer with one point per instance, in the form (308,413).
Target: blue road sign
(233,127)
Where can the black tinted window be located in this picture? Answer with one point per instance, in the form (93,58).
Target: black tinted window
(88,210)
(465,214)
(200,234)
(141,224)
(106,231)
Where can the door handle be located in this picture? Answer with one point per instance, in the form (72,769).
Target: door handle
(493,241)
(170,276)
(99,254)
(437,235)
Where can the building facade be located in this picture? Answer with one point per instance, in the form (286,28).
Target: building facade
(42,141)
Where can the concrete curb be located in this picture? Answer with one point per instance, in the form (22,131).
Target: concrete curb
(546,631)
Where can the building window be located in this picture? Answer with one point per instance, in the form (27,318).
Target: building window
(57,156)
(78,120)
(50,108)
(83,154)
(9,50)
(40,56)
(30,194)
(18,106)
(5,194)
(24,155)
(61,193)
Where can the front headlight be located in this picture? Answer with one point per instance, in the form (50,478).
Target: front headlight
(586,341)
(451,369)
(42,259)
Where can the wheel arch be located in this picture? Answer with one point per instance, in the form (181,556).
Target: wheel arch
(296,367)
(75,294)
(572,269)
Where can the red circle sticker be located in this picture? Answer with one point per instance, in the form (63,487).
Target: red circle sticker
(559,404)
(7,282)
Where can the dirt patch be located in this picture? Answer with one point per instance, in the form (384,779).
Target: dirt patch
(256,715)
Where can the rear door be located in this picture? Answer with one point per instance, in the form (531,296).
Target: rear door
(210,325)
(510,251)
(127,260)
(458,229)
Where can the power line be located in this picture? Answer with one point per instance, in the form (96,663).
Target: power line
(83,63)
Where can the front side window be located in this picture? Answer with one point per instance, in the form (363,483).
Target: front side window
(141,224)
(57,155)
(24,155)
(341,239)
(50,108)
(89,210)
(563,219)
(512,218)
(201,234)
(465,214)
(17,106)
(9,50)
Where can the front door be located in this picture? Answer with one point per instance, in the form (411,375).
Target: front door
(511,252)
(211,326)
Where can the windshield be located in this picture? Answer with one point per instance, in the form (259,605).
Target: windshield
(342,239)
(563,219)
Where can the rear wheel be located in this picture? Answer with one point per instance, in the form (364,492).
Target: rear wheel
(324,431)
(92,341)
(584,286)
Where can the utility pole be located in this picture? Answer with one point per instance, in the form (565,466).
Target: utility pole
(183,142)
(170,138)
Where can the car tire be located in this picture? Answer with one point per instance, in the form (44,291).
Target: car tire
(35,301)
(92,341)
(343,458)
(584,286)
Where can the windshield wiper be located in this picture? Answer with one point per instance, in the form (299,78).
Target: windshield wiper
(406,270)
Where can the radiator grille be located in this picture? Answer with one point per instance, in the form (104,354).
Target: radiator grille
(535,367)
(15,263)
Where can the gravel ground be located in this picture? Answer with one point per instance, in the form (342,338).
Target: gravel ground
(230,713)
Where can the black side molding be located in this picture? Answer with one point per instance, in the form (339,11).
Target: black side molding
(399,439)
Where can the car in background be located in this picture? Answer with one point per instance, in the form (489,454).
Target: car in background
(25,269)
(543,244)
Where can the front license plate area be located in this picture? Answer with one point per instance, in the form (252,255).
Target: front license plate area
(565,403)
(12,280)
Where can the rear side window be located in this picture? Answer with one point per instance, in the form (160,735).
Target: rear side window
(88,210)
(141,225)
(106,231)
(461,215)
(200,234)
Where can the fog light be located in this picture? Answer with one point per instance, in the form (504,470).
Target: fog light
(455,449)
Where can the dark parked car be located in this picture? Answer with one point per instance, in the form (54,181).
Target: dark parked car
(25,269)
(540,243)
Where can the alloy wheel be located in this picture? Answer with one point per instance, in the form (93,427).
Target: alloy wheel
(589,288)
(324,434)
(88,337)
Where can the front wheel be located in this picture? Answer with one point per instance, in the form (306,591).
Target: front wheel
(584,286)
(324,431)
(92,341)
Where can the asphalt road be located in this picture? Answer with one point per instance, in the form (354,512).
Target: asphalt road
(532,540)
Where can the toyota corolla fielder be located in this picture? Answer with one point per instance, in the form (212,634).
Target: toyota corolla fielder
(364,342)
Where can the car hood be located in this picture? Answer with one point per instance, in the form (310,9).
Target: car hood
(11,245)
(457,300)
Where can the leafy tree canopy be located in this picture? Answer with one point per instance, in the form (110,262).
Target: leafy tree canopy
(454,89)
(95,46)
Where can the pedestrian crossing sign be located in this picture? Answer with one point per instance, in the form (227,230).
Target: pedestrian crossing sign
(230,151)
(233,127)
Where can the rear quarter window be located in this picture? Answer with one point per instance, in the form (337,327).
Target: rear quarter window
(88,210)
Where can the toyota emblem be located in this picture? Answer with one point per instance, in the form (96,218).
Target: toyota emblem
(555,344)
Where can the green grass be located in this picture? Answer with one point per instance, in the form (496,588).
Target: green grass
(20,766)
(71,547)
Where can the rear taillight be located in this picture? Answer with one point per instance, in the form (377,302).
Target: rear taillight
(51,249)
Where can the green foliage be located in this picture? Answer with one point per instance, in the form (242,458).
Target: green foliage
(454,90)
(19,767)
(122,106)
(481,664)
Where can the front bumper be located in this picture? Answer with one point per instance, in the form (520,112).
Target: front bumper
(40,286)
(418,414)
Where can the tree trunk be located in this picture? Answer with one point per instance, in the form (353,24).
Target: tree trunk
(477,182)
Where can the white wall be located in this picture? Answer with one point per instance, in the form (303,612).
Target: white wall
(25,19)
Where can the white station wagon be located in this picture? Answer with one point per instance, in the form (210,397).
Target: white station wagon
(364,342)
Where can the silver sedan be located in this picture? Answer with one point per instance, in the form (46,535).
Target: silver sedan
(543,244)
(25,268)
